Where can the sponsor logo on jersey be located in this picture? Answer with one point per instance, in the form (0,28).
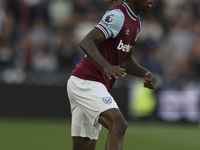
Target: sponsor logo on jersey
(109,18)
(124,47)
(107,100)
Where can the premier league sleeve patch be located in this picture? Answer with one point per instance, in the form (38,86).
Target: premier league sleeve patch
(109,18)
(111,23)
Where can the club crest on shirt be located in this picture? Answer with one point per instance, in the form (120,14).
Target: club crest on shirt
(107,100)
(109,18)
(127,31)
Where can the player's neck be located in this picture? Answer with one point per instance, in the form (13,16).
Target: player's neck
(133,8)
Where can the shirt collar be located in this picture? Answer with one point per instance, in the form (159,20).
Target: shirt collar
(129,11)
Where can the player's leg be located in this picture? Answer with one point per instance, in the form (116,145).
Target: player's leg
(115,122)
(92,106)
(84,132)
(80,143)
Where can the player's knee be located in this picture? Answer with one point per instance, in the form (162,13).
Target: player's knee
(123,126)
(120,126)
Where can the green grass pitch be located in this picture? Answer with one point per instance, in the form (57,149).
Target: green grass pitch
(55,135)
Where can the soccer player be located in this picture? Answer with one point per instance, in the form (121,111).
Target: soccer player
(109,55)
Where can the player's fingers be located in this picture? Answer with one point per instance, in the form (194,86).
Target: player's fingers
(146,84)
(149,77)
(118,73)
(115,76)
(122,69)
(122,72)
(150,86)
(147,87)
(108,75)
(115,71)
(153,82)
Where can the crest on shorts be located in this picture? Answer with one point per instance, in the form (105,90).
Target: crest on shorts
(109,18)
(107,100)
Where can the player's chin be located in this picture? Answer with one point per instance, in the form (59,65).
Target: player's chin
(145,9)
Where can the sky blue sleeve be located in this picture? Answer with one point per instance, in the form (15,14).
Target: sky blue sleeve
(111,23)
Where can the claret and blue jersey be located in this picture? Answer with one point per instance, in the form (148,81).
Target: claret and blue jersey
(121,28)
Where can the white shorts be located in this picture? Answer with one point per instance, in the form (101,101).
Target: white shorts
(88,99)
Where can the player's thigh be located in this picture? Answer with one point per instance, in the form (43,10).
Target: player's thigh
(92,97)
(81,143)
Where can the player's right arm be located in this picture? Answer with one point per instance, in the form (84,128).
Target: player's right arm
(108,27)
(88,45)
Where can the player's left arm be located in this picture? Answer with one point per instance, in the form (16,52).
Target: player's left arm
(132,67)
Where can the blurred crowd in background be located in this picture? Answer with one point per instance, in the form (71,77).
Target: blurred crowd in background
(39,38)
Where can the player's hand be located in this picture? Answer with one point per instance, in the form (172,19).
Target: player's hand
(114,71)
(150,80)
